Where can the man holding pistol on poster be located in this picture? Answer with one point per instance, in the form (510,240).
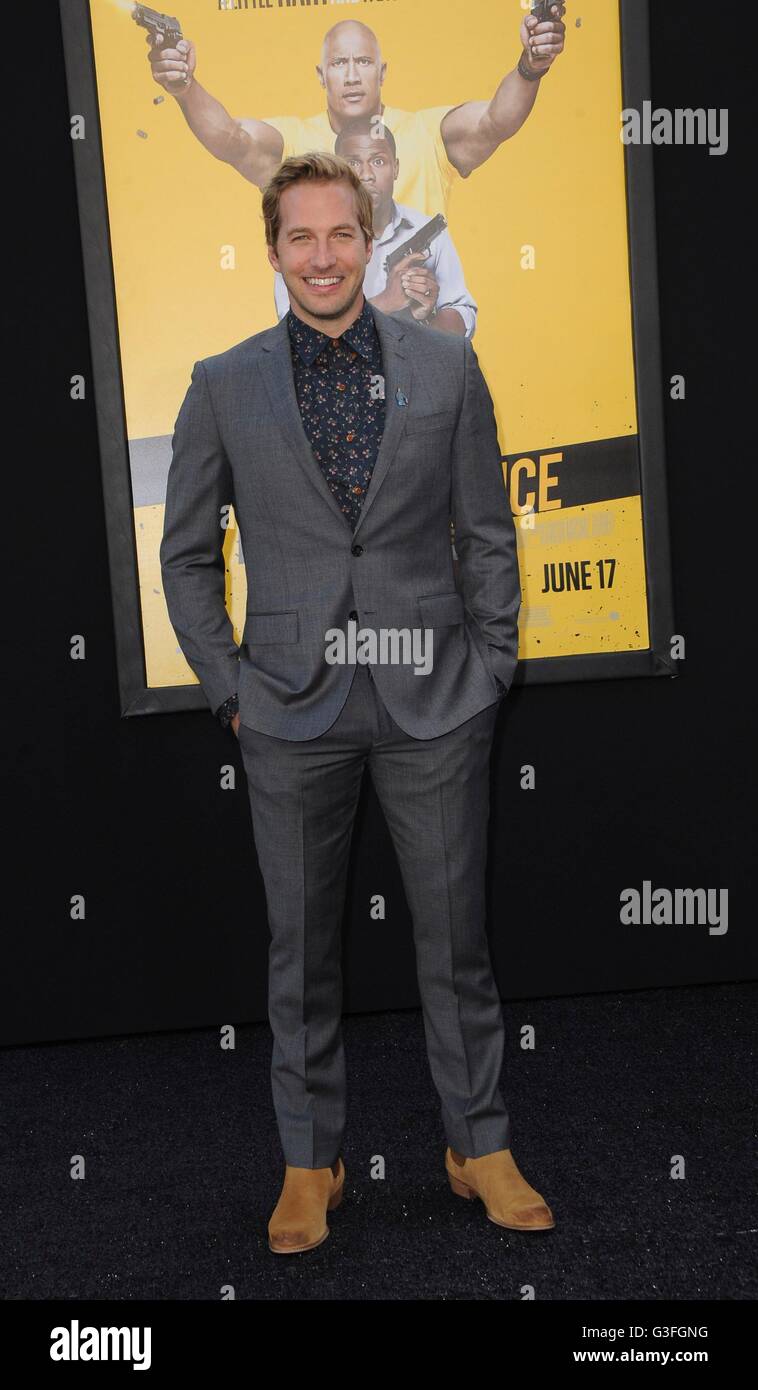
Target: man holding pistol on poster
(397,280)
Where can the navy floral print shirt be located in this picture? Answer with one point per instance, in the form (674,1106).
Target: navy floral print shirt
(339,384)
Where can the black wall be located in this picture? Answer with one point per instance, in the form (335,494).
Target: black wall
(636,779)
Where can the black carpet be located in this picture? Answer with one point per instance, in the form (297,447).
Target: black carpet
(183,1164)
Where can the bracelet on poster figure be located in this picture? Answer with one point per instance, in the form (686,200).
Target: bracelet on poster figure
(530,76)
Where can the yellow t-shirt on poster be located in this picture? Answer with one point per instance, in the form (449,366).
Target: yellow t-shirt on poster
(426,174)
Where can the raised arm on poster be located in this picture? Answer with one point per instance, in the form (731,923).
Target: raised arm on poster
(351,73)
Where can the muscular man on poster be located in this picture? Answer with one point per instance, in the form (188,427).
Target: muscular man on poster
(434,145)
(347,441)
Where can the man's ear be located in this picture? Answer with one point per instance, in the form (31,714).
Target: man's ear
(272,256)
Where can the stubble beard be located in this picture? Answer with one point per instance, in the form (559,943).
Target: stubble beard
(330,312)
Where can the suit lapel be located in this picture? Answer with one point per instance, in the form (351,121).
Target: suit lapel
(398,376)
(279,382)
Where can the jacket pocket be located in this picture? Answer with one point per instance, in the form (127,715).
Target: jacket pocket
(261,628)
(423,424)
(441,610)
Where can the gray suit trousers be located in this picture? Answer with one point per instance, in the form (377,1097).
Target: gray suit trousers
(434,794)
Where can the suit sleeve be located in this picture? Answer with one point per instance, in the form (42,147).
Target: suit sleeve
(485,534)
(199,488)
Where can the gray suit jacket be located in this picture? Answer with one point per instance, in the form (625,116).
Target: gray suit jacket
(239,439)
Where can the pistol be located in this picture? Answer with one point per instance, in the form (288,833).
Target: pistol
(541,10)
(420,241)
(157,23)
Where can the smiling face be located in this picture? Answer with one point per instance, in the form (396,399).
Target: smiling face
(321,253)
(376,168)
(352,72)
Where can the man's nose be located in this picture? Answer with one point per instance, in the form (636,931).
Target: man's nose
(323,256)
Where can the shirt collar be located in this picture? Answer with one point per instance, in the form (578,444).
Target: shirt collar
(397,220)
(361,335)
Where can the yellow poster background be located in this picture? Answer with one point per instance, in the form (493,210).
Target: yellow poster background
(554,341)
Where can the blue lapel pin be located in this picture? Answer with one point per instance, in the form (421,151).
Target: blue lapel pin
(401,397)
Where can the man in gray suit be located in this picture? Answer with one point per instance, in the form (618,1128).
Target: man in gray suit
(348,440)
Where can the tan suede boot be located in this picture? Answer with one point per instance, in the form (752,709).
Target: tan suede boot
(494,1178)
(298,1221)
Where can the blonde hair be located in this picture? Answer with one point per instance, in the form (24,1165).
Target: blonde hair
(320,167)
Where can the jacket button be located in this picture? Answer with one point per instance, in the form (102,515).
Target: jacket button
(356,550)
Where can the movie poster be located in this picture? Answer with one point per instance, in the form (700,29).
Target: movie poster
(530,251)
